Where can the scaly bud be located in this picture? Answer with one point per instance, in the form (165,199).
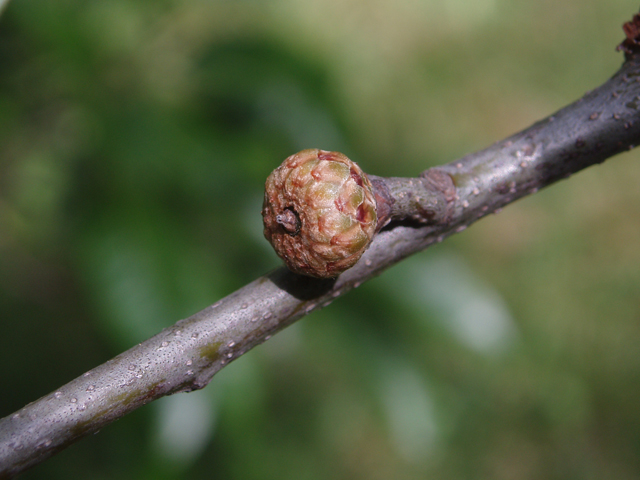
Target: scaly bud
(319,212)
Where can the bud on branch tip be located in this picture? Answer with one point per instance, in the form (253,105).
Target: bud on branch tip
(319,212)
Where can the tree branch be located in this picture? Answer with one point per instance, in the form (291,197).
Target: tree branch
(421,211)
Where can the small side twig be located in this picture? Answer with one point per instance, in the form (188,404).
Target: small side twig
(426,199)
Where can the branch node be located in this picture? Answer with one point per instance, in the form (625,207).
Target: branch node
(437,180)
(384,201)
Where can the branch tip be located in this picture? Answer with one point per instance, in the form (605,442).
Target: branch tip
(631,44)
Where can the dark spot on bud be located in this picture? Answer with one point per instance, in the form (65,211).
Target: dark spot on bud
(290,221)
(361,214)
(356,176)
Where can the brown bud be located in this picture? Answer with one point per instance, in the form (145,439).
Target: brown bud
(319,212)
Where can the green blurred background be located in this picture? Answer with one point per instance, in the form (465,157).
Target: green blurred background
(135,137)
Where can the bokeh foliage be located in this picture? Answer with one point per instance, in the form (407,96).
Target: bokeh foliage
(135,137)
